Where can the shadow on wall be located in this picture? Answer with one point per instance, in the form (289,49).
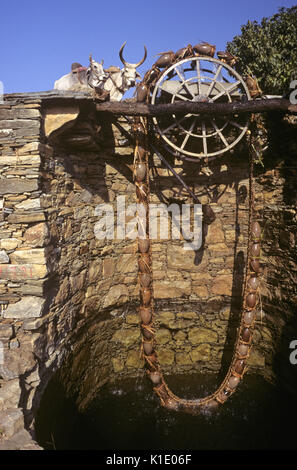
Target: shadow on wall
(282,151)
(237,289)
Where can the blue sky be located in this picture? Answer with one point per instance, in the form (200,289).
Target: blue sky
(40,40)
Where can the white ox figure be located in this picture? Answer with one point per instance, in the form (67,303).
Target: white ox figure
(81,78)
(120,80)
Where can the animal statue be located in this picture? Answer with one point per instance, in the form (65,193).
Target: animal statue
(82,78)
(120,80)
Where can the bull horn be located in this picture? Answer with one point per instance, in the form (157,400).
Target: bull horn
(128,63)
(102,62)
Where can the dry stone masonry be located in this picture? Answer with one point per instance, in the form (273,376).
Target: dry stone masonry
(69,300)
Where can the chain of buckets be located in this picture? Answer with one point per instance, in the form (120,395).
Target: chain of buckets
(146,310)
(169,58)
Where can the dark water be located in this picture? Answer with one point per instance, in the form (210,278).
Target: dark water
(127,415)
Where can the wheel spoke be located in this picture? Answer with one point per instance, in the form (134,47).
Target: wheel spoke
(188,134)
(176,123)
(182,97)
(235,124)
(184,83)
(198,76)
(204,139)
(220,133)
(227,90)
(214,80)
(177,95)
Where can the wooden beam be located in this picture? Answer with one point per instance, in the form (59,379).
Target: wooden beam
(185,107)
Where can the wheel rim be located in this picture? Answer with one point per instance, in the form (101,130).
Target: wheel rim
(200,79)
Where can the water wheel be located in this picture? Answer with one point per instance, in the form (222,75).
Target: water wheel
(204,79)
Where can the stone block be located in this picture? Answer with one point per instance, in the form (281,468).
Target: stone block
(31,289)
(199,290)
(163,290)
(127,337)
(29,204)
(201,278)
(134,359)
(108,267)
(183,358)
(201,353)
(163,336)
(17,185)
(165,318)
(215,233)
(20,272)
(16,363)
(4,258)
(185,260)
(187,315)
(60,118)
(11,421)
(16,162)
(32,256)
(202,335)
(21,218)
(9,243)
(166,357)
(6,331)
(19,113)
(14,344)
(117,364)
(37,236)
(127,263)
(6,134)
(77,282)
(33,323)
(117,295)
(180,337)
(218,248)
(222,285)
(28,307)
(24,124)
(10,393)
(28,148)
(22,440)
(132,319)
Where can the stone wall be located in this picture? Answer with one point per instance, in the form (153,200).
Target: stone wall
(69,300)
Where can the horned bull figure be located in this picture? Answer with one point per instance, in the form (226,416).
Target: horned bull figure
(120,80)
(82,78)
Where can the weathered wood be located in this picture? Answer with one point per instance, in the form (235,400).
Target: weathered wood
(132,108)
(144,109)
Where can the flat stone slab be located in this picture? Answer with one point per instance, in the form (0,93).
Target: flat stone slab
(16,362)
(28,307)
(17,185)
(20,272)
(32,256)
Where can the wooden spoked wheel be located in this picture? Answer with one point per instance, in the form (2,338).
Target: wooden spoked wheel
(200,79)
